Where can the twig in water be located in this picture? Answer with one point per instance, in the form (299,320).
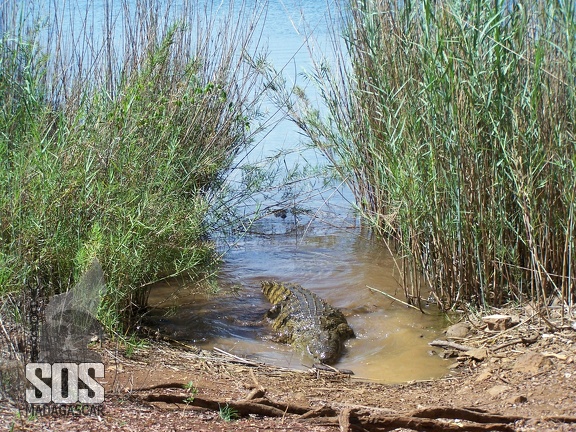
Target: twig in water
(394,298)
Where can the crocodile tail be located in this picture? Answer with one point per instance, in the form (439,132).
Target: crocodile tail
(275,292)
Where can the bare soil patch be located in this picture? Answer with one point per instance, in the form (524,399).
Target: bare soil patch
(515,378)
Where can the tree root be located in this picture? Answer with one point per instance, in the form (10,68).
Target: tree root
(351,419)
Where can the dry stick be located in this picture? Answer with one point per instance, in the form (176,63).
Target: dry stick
(236,358)
(393,298)
(446,344)
(550,325)
(524,340)
(325,367)
(258,391)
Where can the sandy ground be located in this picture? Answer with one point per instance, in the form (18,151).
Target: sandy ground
(523,374)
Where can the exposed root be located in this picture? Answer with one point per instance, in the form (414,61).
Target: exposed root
(463,414)
(351,419)
(344,420)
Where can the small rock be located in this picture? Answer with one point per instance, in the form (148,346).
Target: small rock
(498,322)
(299,397)
(498,390)
(449,354)
(518,399)
(478,354)
(458,330)
(484,376)
(531,362)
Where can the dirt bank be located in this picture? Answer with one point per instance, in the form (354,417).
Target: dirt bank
(515,378)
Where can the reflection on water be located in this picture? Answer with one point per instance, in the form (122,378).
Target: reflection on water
(337,264)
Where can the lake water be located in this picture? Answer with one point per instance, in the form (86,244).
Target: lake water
(323,248)
(319,243)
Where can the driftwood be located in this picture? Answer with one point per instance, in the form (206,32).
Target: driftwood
(446,344)
(350,418)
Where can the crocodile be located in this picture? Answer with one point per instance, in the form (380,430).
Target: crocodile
(306,321)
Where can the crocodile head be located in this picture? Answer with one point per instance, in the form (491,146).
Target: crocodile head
(325,347)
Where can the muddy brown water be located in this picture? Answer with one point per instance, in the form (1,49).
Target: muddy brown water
(324,251)
(338,264)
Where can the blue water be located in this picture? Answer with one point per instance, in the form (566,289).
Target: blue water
(318,243)
(286,31)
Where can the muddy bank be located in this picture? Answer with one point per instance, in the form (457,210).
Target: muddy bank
(524,386)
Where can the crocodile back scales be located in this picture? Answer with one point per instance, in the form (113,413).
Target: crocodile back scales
(306,321)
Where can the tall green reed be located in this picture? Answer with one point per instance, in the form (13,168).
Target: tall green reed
(454,124)
(113,145)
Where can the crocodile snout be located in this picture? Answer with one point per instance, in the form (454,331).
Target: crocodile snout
(325,348)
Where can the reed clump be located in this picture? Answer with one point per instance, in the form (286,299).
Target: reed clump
(454,123)
(115,135)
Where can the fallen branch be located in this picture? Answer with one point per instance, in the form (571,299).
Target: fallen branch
(258,391)
(453,345)
(394,298)
(255,394)
(325,367)
(524,340)
(235,359)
